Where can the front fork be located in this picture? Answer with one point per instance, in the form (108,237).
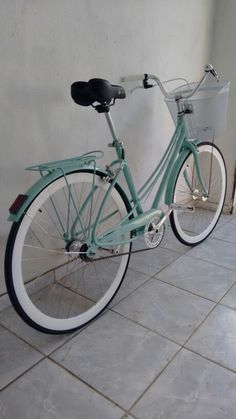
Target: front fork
(193,148)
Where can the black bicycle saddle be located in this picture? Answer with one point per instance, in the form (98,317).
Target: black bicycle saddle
(95,90)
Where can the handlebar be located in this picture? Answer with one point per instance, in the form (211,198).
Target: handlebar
(209,70)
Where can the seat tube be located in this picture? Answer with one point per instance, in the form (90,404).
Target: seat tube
(121,156)
(111,126)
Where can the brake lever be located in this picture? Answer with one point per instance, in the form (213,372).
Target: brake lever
(146,85)
(215,74)
(210,69)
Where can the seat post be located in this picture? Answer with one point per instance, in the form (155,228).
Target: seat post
(111,126)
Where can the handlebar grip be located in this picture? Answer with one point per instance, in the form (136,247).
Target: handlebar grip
(138,77)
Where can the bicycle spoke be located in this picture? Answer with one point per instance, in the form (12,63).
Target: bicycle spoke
(67,287)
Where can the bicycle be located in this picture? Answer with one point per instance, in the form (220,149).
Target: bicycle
(71,238)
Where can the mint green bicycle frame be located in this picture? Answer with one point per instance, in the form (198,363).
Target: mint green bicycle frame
(168,167)
(136,220)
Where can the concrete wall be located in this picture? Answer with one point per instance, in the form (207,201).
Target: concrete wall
(224,58)
(46,45)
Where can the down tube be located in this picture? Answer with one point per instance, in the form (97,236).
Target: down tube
(137,206)
(179,135)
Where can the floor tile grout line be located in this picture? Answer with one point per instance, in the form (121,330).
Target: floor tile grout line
(161,246)
(204,260)
(21,339)
(185,290)
(200,324)
(219,302)
(148,279)
(69,372)
(155,276)
(156,273)
(215,264)
(180,348)
(168,284)
(131,415)
(147,328)
(192,292)
(111,308)
(155,379)
(129,267)
(131,292)
(151,276)
(23,373)
(82,380)
(171,361)
(164,336)
(227,306)
(4,294)
(219,239)
(183,347)
(222,240)
(213,308)
(171,285)
(231,217)
(209,359)
(128,411)
(40,350)
(177,251)
(74,335)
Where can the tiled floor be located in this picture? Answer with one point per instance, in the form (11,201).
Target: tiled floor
(165,349)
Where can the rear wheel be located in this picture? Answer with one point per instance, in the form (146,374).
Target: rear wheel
(53,283)
(194,215)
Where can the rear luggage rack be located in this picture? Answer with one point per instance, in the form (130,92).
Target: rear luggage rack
(84,159)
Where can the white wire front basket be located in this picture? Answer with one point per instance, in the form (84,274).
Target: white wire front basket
(207,108)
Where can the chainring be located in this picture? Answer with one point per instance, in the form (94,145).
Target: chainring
(152,235)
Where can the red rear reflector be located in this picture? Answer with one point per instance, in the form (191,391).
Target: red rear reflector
(19,201)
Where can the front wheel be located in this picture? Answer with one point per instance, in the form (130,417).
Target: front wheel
(52,283)
(195,215)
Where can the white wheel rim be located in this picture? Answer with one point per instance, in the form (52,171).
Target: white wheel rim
(30,309)
(195,239)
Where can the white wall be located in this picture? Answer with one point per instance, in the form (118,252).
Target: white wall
(46,45)
(224,59)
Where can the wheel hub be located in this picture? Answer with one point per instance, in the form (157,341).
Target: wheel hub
(76,248)
(73,246)
(84,253)
(199,196)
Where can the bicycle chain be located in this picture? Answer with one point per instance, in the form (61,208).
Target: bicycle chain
(122,254)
